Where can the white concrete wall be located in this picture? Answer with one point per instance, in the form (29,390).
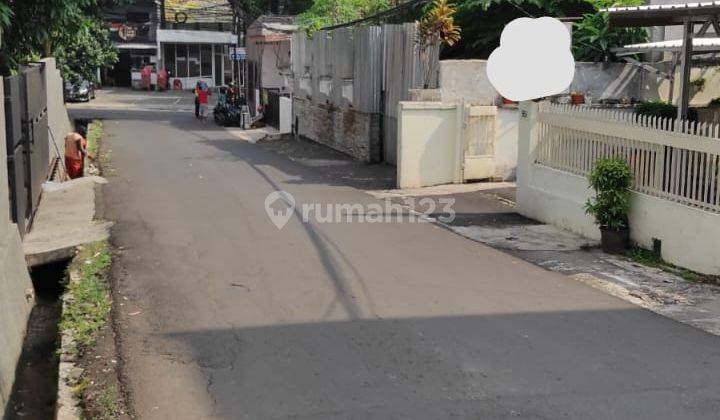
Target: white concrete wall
(427,144)
(59,123)
(276,61)
(467,79)
(14,282)
(689,236)
(285,115)
(506,142)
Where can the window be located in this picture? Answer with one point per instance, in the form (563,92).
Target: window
(228,65)
(138,62)
(194,60)
(218,65)
(138,17)
(206,57)
(182,60)
(169,60)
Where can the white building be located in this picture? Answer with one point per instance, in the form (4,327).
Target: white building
(196,43)
(268,48)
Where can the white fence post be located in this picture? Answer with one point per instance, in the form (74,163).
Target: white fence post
(527,140)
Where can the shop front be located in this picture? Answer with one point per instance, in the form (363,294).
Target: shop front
(191,56)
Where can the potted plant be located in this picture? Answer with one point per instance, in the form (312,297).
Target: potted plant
(577,98)
(435,30)
(611,179)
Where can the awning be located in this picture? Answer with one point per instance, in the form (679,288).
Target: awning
(700,45)
(135,46)
(662,14)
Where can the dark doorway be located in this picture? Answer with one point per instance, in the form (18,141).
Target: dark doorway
(120,73)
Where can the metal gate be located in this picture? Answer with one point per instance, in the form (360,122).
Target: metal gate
(26,124)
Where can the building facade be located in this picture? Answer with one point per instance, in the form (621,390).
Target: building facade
(133,29)
(192,39)
(197,41)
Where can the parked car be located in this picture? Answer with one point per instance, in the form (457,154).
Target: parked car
(79,92)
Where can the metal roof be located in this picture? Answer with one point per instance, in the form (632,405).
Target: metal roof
(662,14)
(699,45)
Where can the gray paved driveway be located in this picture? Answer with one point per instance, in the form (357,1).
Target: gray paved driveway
(240,320)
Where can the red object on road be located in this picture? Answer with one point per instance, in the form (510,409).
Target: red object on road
(146,77)
(162,80)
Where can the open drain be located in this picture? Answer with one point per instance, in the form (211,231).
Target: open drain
(35,388)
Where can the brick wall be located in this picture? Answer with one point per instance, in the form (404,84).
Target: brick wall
(344,129)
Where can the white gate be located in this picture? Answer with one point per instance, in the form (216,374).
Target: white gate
(478,136)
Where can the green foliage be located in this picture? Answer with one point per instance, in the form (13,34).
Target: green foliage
(5,14)
(107,403)
(435,30)
(332,12)
(611,179)
(482,21)
(81,53)
(593,38)
(94,138)
(88,303)
(656,109)
(437,26)
(662,110)
(69,29)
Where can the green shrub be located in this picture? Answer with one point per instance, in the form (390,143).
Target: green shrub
(611,179)
(662,110)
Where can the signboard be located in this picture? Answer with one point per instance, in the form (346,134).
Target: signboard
(198,11)
(127,32)
(238,53)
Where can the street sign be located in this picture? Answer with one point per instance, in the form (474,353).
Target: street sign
(238,53)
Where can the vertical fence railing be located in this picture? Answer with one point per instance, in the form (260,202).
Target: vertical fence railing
(26,125)
(678,162)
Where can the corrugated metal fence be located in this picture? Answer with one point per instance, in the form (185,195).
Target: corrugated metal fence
(369,69)
(26,125)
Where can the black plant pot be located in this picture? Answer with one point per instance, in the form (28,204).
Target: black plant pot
(614,241)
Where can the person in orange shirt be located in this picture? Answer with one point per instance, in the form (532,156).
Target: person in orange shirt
(75,152)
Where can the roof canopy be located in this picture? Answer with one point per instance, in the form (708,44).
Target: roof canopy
(662,14)
(700,45)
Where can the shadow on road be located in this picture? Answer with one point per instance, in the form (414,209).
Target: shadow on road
(579,364)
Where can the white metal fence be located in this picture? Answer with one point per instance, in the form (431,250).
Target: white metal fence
(677,162)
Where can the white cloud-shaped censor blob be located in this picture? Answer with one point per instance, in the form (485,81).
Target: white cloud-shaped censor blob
(533,59)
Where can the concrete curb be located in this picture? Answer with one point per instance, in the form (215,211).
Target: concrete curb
(68,405)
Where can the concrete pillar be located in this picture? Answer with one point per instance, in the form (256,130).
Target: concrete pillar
(527,140)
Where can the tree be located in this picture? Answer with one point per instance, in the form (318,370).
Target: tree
(72,30)
(435,30)
(593,38)
(332,12)
(482,21)
(84,51)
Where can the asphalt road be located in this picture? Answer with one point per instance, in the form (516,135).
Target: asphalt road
(225,316)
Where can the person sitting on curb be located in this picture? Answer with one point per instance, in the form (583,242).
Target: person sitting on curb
(75,152)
